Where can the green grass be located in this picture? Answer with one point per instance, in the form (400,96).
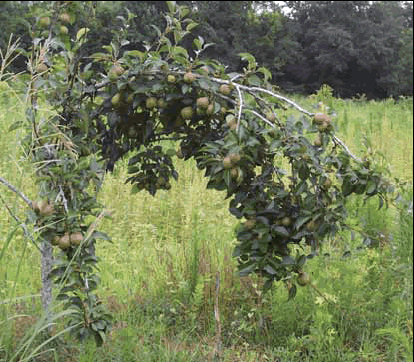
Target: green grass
(159,274)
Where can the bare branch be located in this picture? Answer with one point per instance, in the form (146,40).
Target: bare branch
(19,193)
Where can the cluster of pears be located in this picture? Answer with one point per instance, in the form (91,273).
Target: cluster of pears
(230,163)
(324,123)
(67,240)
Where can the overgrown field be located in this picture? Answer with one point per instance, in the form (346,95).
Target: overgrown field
(169,271)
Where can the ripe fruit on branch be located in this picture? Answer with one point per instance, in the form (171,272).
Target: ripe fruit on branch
(115,72)
(187,113)
(116,100)
(304,279)
(202,102)
(249,224)
(286,221)
(231,121)
(171,78)
(55,241)
(65,17)
(225,89)
(234,172)
(310,225)
(151,102)
(76,238)
(44,22)
(323,121)
(234,157)
(210,109)
(320,118)
(227,162)
(64,30)
(162,103)
(41,68)
(64,242)
(318,141)
(189,77)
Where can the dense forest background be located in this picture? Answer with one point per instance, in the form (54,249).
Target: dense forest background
(356,47)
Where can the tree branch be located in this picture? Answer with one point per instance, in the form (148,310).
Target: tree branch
(19,193)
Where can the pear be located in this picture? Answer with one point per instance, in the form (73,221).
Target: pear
(64,242)
(202,102)
(225,89)
(76,238)
(189,77)
(65,17)
(187,113)
(44,22)
(304,279)
(227,162)
(151,102)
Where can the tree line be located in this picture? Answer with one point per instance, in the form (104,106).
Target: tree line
(356,47)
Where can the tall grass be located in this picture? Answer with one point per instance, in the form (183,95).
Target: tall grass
(159,273)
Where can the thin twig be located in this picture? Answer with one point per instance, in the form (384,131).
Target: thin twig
(343,145)
(15,190)
(26,232)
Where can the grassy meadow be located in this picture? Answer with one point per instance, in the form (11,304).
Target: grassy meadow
(159,275)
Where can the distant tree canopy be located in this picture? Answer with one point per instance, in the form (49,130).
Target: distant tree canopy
(355,47)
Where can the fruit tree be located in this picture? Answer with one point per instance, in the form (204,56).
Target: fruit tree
(287,178)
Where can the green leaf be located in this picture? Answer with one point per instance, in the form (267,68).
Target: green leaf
(247,270)
(281,230)
(301,260)
(197,44)
(191,26)
(301,220)
(292,292)
(254,80)
(177,50)
(171,6)
(15,125)
(135,54)
(227,177)
(266,72)
(288,260)
(100,235)
(184,11)
(157,29)
(81,34)
(250,59)
(268,269)
(371,188)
